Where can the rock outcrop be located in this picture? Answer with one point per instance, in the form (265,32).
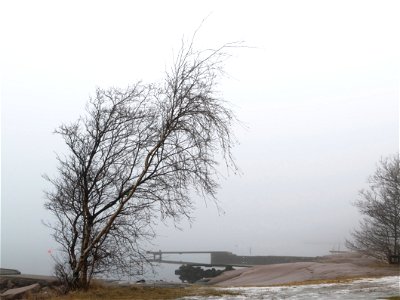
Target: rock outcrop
(17,293)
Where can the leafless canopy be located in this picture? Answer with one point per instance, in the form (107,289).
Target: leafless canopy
(379,232)
(136,154)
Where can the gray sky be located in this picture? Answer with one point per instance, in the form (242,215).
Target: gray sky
(319,95)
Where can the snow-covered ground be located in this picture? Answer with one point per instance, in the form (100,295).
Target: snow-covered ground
(371,288)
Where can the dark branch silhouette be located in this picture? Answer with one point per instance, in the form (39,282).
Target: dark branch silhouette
(137,154)
(379,232)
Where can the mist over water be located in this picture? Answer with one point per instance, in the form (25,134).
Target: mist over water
(166,272)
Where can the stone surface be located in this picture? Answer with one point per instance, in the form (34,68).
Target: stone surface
(27,279)
(331,267)
(10,284)
(19,292)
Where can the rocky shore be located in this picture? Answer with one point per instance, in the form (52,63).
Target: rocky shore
(346,266)
(334,267)
(18,285)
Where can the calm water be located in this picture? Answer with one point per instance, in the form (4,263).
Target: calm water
(377,288)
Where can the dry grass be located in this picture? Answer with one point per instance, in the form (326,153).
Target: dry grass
(135,293)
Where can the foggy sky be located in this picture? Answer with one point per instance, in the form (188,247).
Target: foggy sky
(317,93)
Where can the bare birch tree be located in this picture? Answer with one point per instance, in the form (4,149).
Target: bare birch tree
(135,155)
(379,232)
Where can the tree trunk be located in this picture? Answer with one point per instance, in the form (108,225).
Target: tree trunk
(84,282)
(80,278)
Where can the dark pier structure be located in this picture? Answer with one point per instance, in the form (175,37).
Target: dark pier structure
(225,258)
